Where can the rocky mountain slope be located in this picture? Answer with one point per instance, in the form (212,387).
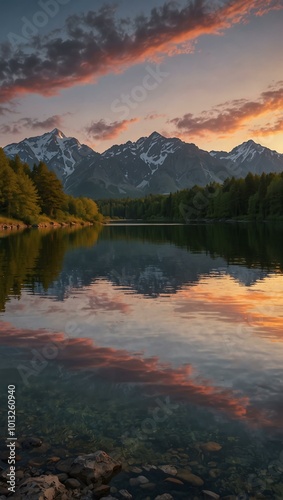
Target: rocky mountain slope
(60,153)
(250,157)
(153,164)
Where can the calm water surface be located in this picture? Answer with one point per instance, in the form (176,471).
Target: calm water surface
(149,341)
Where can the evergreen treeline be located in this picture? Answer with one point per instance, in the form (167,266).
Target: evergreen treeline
(255,197)
(27,195)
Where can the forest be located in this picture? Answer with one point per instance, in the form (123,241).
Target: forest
(256,197)
(37,195)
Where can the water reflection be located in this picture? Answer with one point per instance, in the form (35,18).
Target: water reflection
(34,258)
(46,262)
(100,324)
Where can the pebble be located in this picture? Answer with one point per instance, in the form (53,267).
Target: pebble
(168,469)
(142,479)
(211,446)
(210,495)
(125,494)
(53,460)
(190,478)
(149,467)
(102,490)
(72,484)
(64,465)
(173,480)
(62,477)
(214,473)
(165,496)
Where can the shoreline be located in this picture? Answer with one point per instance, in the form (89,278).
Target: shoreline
(44,225)
(189,222)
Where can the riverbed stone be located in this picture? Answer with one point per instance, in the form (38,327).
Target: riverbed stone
(94,467)
(210,495)
(31,442)
(101,491)
(173,480)
(42,487)
(168,469)
(165,496)
(72,484)
(125,494)
(64,465)
(211,446)
(190,478)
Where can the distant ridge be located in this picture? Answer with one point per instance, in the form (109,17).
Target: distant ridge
(153,164)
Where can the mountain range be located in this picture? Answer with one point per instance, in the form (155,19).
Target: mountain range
(153,164)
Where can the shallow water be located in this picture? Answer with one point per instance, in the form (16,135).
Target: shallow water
(147,342)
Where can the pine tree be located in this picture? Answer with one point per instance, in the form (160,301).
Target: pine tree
(26,205)
(9,189)
(50,189)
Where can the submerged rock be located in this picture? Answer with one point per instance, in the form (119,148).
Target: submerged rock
(190,478)
(211,446)
(31,442)
(173,480)
(165,496)
(42,487)
(94,467)
(210,495)
(168,469)
(125,494)
(72,484)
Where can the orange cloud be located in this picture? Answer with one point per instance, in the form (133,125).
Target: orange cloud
(228,118)
(270,129)
(96,43)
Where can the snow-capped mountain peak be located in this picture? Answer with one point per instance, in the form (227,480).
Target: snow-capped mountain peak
(62,154)
(153,164)
(251,157)
(58,133)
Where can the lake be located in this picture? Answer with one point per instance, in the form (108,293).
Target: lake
(149,342)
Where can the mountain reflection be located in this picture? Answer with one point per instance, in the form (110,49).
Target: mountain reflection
(144,259)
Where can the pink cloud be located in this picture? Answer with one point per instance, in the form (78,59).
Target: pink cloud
(228,118)
(96,44)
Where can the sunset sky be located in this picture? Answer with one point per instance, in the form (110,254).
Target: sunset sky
(209,72)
